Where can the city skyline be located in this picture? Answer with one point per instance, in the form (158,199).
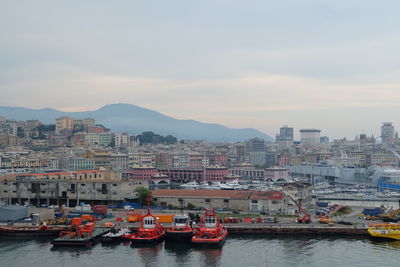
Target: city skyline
(306,64)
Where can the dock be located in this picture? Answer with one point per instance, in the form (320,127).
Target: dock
(297,230)
(81,241)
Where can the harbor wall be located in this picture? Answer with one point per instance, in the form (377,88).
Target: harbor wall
(357,202)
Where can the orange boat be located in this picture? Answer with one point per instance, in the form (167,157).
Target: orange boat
(211,231)
(150,230)
(180,229)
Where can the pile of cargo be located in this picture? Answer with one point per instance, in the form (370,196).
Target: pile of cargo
(373,213)
(250,220)
(57,221)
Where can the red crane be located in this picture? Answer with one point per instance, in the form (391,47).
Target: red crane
(306,217)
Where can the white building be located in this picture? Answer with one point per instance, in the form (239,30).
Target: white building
(310,137)
(122,140)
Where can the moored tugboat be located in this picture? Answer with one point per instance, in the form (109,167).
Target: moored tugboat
(211,231)
(150,230)
(181,229)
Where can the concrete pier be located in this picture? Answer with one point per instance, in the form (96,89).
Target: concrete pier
(297,229)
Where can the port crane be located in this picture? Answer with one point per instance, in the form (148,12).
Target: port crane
(306,217)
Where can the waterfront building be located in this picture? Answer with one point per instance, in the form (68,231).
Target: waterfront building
(247,171)
(270,202)
(331,173)
(68,188)
(277,174)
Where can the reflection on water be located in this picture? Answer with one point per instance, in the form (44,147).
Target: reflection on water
(384,243)
(238,251)
(209,256)
(149,253)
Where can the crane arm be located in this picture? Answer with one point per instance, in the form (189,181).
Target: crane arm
(298,206)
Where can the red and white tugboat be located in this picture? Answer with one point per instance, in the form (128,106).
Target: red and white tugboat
(150,230)
(211,231)
(180,229)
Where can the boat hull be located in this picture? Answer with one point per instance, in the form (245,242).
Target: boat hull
(220,240)
(179,235)
(385,234)
(146,240)
(27,231)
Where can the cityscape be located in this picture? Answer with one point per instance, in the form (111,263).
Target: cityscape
(199,133)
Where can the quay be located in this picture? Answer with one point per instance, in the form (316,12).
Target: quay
(81,241)
(315,230)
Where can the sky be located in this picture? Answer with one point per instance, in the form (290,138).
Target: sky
(331,65)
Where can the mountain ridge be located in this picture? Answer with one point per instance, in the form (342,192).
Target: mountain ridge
(122,117)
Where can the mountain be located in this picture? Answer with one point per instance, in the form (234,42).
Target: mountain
(135,119)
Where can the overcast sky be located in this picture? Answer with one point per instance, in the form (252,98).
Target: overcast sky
(333,65)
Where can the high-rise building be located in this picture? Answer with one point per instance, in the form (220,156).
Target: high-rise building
(9,127)
(256,145)
(310,137)
(285,137)
(122,140)
(286,132)
(324,139)
(387,132)
(64,123)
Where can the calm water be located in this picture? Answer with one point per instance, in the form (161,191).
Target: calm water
(237,251)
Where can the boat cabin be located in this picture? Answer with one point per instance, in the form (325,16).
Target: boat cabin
(181,220)
(149,222)
(210,222)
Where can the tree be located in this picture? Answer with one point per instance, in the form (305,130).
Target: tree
(169,140)
(142,193)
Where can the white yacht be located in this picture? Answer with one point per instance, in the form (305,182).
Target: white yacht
(190,185)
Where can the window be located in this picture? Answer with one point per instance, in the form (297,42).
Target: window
(155,199)
(274,202)
(208,200)
(254,201)
(82,184)
(226,200)
(114,184)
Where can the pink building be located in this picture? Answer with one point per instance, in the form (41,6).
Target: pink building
(215,173)
(276,173)
(283,160)
(96,129)
(221,159)
(144,173)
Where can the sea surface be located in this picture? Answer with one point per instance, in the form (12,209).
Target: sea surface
(245,251)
